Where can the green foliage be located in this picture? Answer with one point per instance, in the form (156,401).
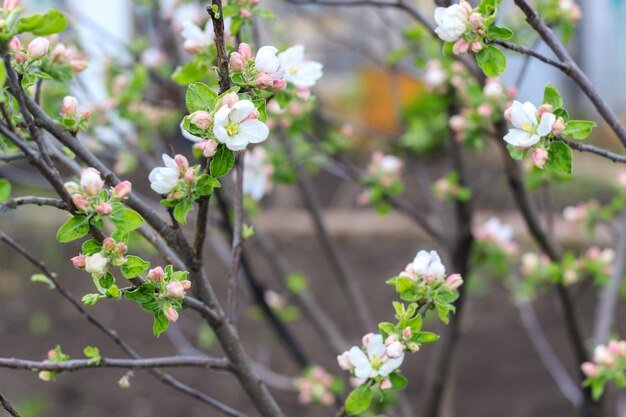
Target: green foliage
(497,32)
(552,96)
(134,266)
(75,228)
(491,61)
(359,400)
(93,353)
(222,161)
(42,24)
(125,219)
(559,158)
(5,189)
(43,279)
(578,129)
(200,97)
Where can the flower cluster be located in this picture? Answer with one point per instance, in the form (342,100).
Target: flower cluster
(384,179)
(462,25)
(97,263)
(608,364)
(448,189)
(90,197)
(69,113)
(198,40)
(498,234)
(170,288)
(54,356)
(316,385)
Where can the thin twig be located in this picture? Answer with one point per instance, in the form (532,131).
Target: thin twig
(7,406)
(237,237)
(16,202)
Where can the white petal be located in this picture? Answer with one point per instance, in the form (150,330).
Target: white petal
(391,365)
(254,130)
(421,261)
(545,125)
(188,135)
(439,11)
(520,114)
(376,346)
(241,110)
(518,137)
(291,56)
(169,162)
(236,143)
(363,371)
(357,357)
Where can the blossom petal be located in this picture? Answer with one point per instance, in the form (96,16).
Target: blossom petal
(189,136)
(169,162)
(241,110)
(545,125)
(254,130)
(421,261)
(357,356)
(376,347)
(520,114)
(520,138)
(391,365)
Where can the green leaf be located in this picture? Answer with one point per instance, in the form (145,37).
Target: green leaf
(559,158)
(42,24)
(93,353)
(125,219)
(134,266)
(160,323)
(487,7)
(91,246)
(427,337)
(3,75)
(181,210)
(518,154)
(403,284)
(90,299)
(491,61)
(142,295)
(205,184)
(578,129)
(359,400)
(265,13)
(398,381)
(297,283)
(497,32)
(74,228)
(200,97)
(192,71)
(43,279)
(106,281)
(222,161)
(5,189)
(552,96)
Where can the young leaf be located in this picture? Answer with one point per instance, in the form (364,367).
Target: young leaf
(222,161)
(5,189)
(43,279)
(491,61)
(125,219)
(200,97)
(552,96)
(142,295)
(93,353)
(42,24)
(359,400)
(497,32)
(90,299)
(205,185)
(74,228)
(134,266)
(181,210)
(91,246)
(578,129)
(160,323)
(427,337)
(559,158)
(398,381)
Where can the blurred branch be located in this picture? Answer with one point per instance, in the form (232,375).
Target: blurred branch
(582,147)
(237,238)
(10,157)
(16,202)
(7,406)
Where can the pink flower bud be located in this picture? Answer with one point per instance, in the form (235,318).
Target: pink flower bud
(344,361)
(230,99)
(407,333)
(15,44)
(303,93)
(182,162)
(11,4)
(386,384)
(453,282)
(395,350)
(20,57)
(120,248)
(78,65)
(186,284)
(476,20)
(540,156)
(175,290)
(279,85)
(210,147)
(71,187)
(590,369)
(477,46)
(507,114)
(413,347)
(558,127)
(38,48)
(189,176)
(192,46)
(80,201)
(485,110)
(171,314)
(78,261)
(156,274)
(544,108)
(118,261)
(108,244)
(200,118)
(467,6)
(366,339)
(69,106)
(617,348)
(602,356)
(122,189)
(104,209)
(264,80)
(236,62)
(58,53)
(391,339)
(90,181)
(460,47)
(245,13)
(245,51)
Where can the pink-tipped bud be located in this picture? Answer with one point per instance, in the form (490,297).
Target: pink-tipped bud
(507,114)
(189,176)
(230,99)
(11,4)
(303,93)
(236,62)
(395,350)
(476,20)
(558,127)
(58,53)
(590,369)
(413,347)
(70,104)
(477,46)
(175,290)
(460,47)
(156,274)
(540,157)
(344,361)
(118,261)
(366,339)
(182,162)
(264,80)
(485,110)
(121,248)
(122,189)
(38,48)
(90,181)
(200,118)
(544,108)
(391,339)
(210,147)
(245,13)
(15,44)
(457,123)
(104,209)
(186,284)
(78,65)
(80,201)
(617,348)
(71,187)
(20,57)
(386,384)
(171,314)
(407,333)
(245,51)
(279,85)
(453,282)
(108,244)
(467,6)
(78,261)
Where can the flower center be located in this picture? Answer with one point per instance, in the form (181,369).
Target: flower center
(232,129)
(376,362)
(293,71)
(528,127)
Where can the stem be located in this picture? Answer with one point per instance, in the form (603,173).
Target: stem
(7,406)
(237,237)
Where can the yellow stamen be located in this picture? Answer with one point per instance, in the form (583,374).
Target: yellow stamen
(232,129)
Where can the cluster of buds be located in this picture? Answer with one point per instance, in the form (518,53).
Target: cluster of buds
(54,356)
(497,233)
(608,364)
(246,7)
(292,113)
(176,179)
(171,288)
(39,48)
(374,361)
(448,189)
(461,25)
(97,264)
(596,262)
(90,197)
(428,270)
(384,178)
(570,10)
(69,112)
(533,263)
(315,386)
(580,212)
(68,55)
(435,77)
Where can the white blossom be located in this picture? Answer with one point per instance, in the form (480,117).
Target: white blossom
(96,264)
(164,179)
(452,22)
(375,362)
(237,126)
(301,73)
(528,128)
(266,60)
(428,265)
(256,173)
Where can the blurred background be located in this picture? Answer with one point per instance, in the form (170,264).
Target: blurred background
(372,87)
